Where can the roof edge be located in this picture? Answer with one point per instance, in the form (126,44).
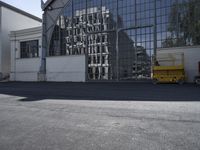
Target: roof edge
(28,31)
(20,11)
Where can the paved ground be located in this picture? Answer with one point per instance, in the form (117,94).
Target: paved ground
(95,116)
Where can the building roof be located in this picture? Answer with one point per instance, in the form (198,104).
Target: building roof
(19,11)
(26,32)
(47,3)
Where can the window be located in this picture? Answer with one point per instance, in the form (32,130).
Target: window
(103,71)
(103,59)
(29,49)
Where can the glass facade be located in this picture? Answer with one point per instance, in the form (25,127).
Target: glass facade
(178,23)
(119,37)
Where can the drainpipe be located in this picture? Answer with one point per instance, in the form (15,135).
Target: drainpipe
(15,57)
(42,73)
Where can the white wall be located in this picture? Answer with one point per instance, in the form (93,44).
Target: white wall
(12,21)
(66,68)
(27,69)
(191,59)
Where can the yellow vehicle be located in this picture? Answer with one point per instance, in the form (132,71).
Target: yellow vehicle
(169,68)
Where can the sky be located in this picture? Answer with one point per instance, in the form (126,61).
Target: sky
(31,6)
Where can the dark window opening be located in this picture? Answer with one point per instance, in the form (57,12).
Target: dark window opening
(29,49)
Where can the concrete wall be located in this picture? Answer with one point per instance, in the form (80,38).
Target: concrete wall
(58,69)
(191,59)
(11,21)
(25,69)
(66,68)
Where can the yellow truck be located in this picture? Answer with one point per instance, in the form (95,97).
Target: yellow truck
(169,68)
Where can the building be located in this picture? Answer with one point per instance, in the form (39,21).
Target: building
(97,40)
(88,29)
(26,51)
(12,19)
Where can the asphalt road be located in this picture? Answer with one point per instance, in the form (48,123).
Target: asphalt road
(99,116)
(102,91)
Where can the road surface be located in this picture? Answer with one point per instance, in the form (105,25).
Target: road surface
(97,116)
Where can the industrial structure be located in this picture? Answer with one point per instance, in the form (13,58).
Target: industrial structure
(97,40)
(169,68)
(12,19)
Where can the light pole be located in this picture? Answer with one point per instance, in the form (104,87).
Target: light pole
(155,30)
(117,43)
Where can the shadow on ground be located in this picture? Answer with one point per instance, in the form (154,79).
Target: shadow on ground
(127,91)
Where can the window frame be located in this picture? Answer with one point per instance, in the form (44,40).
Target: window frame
(26,52)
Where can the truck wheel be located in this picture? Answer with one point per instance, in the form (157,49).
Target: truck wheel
(197,81)
(181,82)
(155,81)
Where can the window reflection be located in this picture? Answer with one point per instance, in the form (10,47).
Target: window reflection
(90,27)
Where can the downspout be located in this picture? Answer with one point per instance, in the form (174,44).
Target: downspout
(15,56)
(42,73)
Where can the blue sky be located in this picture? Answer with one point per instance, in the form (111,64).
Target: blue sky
(30,6)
